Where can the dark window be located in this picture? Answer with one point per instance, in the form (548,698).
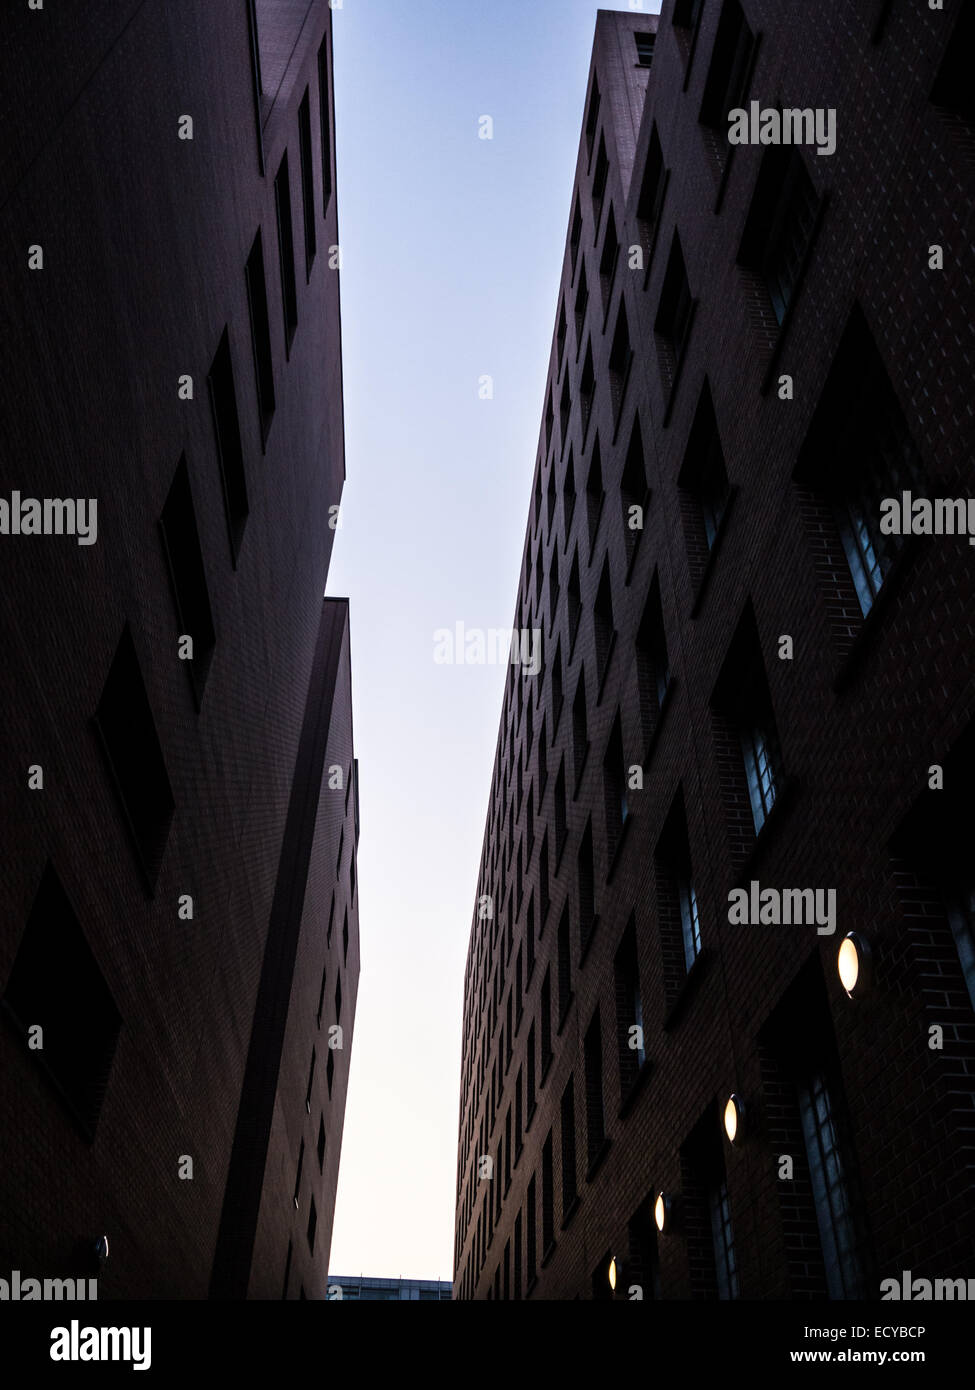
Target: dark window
(56,985)
(615,788)
(565,408)
(530,1229)
(530,1075)
(595,493)
(507,1142)
(560,334)
(580,729)
(312,1225)
(631,1045)
(325,105)
(568,1116)
(707,1213)
(345,927)
(633,491)
(546,1021)
(301,1164)
(549,420)
(678,911)
(553,588)
(687,13)
(674,314)
(599,179)
(519,1115)
(780,226)
(592,118)
(652,191)
(643,1263)
(653,665)
(287,1271)
(286,251)
(575,235)
(338,999)
(565,966)
(230,453)
(130,743)
(561,823)
(582,302)
(603,623)
(551,497)
(610,259)
(330,1070)
(311,1082)
(745,718)
(307,180)
(321,1143)
(260,335)
(704,483)
(587,391)
(644,48)
(953,89)
(181,541)
(728,75)
(574,602)
(585,865)
(832,1194)
(517,1268)
(595,1114)
(321,994)
(548,1196)
(543,884)
(858,452)
(568,495)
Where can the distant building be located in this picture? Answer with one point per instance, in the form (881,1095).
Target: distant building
(749,684)
(178,900)
(390,1290)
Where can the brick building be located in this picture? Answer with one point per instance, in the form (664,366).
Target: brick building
(178,906)
(746,681)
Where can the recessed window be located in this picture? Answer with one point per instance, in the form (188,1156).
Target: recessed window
(312,1225)
(833,1195)
(592,118)
(704,485)
(301,1164)
(673,322)
(568,495)
(574,602)
(575,234)
(595,493)
(56,985)
(652,190)
(633,491)
(644,48)
(568,1132)
(615,787)
(603,623)
(582,303)
(325,107)
(780,227)
(307,180)
(728,77)
(620,358)
(546,1021)
(609,260)
(599,179)
(260,335)
(311,1082)
(586,876)
(286,251)
(561,823)
(127,732)
(560,334)
(745,718)
(565,965)
(629,1010)
(321,1143)
(530,1074)
(678,910)
(595,1112)
(181,541)
(580,730)
(230,453)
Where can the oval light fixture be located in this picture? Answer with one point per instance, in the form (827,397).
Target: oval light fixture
(734,1119)
(612,1273)
(853,963)
(662,1209)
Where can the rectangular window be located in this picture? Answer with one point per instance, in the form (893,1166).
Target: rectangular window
(580,729)
(127,732)
(644,48)
(548,1197)
(723,1238)
(585,865)
(728,75)
(582,303)
(56,984)
(678,912)
(615,788)
(530,1076)
(604,627)
(184,555)
(321,1143)
(592,118)
(780,226)
(575,234)
(652,191)
(530,1233)
(230,452)
(568,1118)
(301,1164)
(761,758)
(961,915)
(587,392)
(690,921)
(312,1225)
(307,180)
(631,1045)
(609,260)
(831,1191)
(561,822)
(653,663)
(674,314)
(595,1113)
(260,335)
(286,251)
(325,107)
(599,181)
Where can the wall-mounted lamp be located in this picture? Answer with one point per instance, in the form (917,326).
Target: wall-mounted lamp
(854,963)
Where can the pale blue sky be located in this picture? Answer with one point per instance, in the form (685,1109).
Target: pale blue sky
(452,253)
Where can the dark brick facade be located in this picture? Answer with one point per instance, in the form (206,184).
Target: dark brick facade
(164,780)
(663,654)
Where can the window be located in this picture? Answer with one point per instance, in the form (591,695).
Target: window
(961,916)
(587,391)
(301,1164)
(724,1243)
(565,966)
(592,118)
(546,1021)
(574,602)
(582,302)
(561,824)
(553,588)
(652,190)
(181,541)
(580,730)
(952,89)
(549,420)
(687,13)
(507,1149)
(610,260)
(325,107)
(615,788)
(311,1080)
(551,497)
(321,995)
(858,452)
(633,491)
(595,494)
(599,183)
(568,496)
(644,48)
(780,226)
(560,340)
(548,1197)
(530,1233)
(312,1225)
(330,1070)
(530,1076)
(568,1118)
(56,984)
(643,1263)
(631,1044)
(127,733)
(519,1115)
(703,481)
(230,453)
(321,1144)
(543,884)
(831,1191)
(345,919)
(516,1291)
(287,1271)
(575,235)
(673,322)
(653,664)
(595,1115)
(307,180)
(557,696)
(260,335)
(760,760)
(678,911)
(603,624)
(586,876)
(745,717)
(728,76)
